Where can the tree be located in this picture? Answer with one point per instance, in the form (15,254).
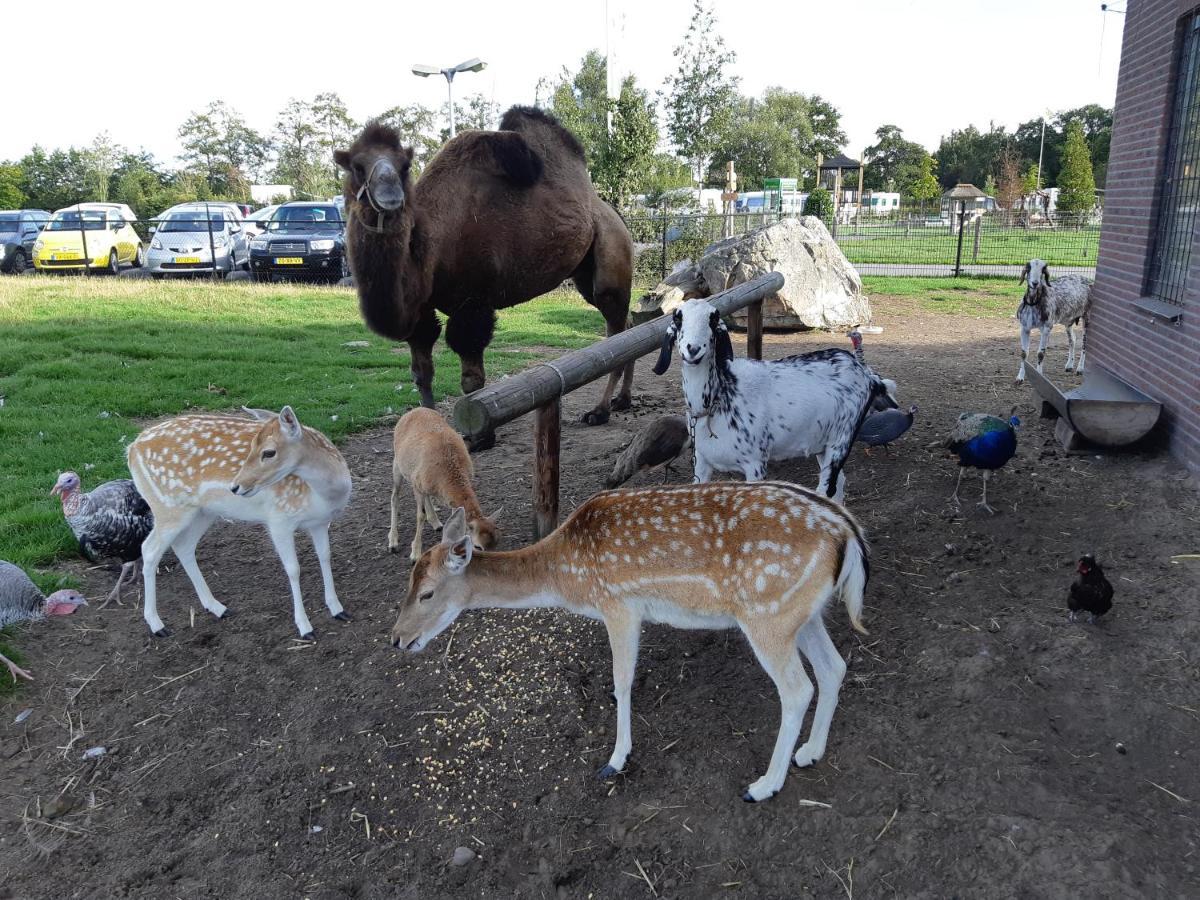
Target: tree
(1009,189)
(665,173)
(889,157)
(969,156)
(619,160)
(818,203)
(11,195)
(1096,122)
(224,149)
(828,137)
(700,95)
(56,179)
(765,138)
(917,181)
(418,127)
(1076,183)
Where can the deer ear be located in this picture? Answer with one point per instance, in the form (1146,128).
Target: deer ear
(342,158)
(289,424)
(455,527)
(459,555)
(262,415)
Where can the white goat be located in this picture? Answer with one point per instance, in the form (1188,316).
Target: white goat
(746,413)
(194,469)
(1066,301)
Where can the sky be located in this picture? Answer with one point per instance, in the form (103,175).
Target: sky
(928,66)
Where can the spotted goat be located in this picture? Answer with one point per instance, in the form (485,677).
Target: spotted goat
(746,413)
(265,467)
(766,558)
(1067,301)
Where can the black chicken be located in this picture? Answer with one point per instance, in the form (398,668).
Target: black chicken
(1091,593)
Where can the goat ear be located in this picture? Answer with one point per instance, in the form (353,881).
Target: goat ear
(1045,273)
(342,158)
(1024,273)
(664,354)
(289,424)
(723,344)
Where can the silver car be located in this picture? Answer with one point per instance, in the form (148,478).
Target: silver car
(194,238)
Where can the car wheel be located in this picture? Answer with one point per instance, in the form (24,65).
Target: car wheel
(139,258)
(18,263)
(114,264)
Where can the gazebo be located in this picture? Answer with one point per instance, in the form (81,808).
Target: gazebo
(961,200)
(837,164)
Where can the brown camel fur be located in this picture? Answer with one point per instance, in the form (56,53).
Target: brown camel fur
(496,219)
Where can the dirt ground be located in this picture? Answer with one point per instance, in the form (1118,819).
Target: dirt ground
(983,746)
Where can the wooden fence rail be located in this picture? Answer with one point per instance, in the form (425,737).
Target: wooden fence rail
(541,387)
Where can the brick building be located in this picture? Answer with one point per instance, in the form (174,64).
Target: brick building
(1145,321)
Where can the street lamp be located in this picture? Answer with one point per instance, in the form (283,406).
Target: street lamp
(471,65)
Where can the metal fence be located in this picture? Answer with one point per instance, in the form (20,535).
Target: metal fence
(910,243)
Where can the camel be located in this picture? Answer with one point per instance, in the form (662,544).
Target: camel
(496,219)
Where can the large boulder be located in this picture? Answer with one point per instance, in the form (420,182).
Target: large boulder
(821,289)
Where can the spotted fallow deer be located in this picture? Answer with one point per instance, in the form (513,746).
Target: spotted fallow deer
(765,557)
(265,468)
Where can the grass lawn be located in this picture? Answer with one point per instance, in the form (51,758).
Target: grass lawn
(997,246)
(966,296)
(85,362)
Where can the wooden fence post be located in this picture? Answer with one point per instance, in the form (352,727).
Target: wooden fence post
(547,423)
(754,330)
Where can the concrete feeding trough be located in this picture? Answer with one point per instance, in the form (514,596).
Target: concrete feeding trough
(1103,411)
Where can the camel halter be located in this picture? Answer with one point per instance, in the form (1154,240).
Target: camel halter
(377,228)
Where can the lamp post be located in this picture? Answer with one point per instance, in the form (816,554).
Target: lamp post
(471,65)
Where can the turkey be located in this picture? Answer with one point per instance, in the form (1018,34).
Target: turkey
(21,601)
(982,441)
(881,428)
(658,444)
(1091,593)
(110,522)
(879,403)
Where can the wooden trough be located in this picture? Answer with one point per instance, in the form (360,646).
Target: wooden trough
(541,387)
(1104,410)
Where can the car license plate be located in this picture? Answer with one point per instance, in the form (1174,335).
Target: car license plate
(58,256)
(289,261)
(187,260)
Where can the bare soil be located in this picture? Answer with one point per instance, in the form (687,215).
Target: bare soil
(984,746)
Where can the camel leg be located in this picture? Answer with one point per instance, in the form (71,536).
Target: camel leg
(604,279)
(420,345)
(468,332)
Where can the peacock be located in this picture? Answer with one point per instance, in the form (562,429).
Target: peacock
(982,441)
(21,601)
(111,521)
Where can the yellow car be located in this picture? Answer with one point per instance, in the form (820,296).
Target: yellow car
(89,235)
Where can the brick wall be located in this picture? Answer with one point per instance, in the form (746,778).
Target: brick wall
(1158,357)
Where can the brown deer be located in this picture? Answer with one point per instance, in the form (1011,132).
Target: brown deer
(432,458)
(268,468)
(764,557)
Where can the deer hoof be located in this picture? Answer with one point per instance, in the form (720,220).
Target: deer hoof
(606,773)
(596,417)
(343,616)
(620,403)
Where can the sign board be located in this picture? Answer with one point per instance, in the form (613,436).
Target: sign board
(728,196)
(780,184)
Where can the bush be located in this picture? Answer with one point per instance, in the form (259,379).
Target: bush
(819,203)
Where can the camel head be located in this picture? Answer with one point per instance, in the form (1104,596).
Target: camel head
(377,169)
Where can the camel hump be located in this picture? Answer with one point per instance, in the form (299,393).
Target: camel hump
(533,121)
(516,159)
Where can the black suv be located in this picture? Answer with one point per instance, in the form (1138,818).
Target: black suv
(19,228)
(302,240)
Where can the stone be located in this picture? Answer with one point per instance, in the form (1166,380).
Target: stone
(463,856)
(821,288)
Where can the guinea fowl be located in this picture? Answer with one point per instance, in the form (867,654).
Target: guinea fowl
(982,441)
(1091,593)
(21,601)
(109,522)
(658,444)
(881,428)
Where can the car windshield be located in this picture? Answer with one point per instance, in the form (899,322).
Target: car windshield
(191,221)
(8,221)
(306,218)
(93,220)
